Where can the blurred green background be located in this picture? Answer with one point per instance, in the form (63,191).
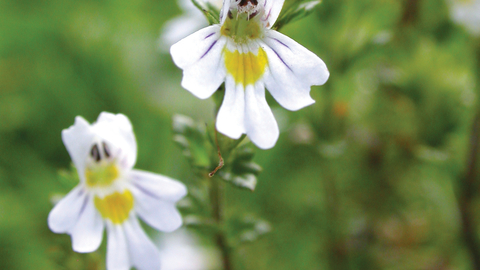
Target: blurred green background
(372,176)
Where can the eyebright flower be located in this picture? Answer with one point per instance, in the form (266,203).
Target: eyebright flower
(192,20)
(112,194)
(248,56)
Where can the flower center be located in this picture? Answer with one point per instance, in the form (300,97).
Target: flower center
(242,27)
(246,68)
(102,175)
(115,206)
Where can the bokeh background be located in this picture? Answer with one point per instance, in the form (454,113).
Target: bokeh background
(374,175)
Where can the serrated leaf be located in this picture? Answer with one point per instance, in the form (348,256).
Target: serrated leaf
(241,170)
(246,181)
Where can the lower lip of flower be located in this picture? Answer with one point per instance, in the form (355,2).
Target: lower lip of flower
(115,207)
(246,68)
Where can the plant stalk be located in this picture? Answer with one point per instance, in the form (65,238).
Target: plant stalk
(217,197)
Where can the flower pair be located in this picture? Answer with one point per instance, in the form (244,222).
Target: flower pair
(112,194)
(241,51)
(245,53)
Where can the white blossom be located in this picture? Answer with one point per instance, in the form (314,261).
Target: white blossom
(245,53)
(112,194)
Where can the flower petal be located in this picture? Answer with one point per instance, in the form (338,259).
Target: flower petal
(272,10)
(87,233)
(292,69)
(118,131)
(117,249)
(155,198)
(161,186)
(144,255)
(78,139)
(67,211)
(200,57)
(230,118)
(224,11)
(262,129)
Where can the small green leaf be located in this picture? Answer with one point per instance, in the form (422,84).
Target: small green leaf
(240,170)
(295,12)
(191,138)
(211,12)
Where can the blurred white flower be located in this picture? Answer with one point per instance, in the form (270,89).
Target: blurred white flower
(112,194)
(184,25)
(466,13)
(248,56)
(182,251)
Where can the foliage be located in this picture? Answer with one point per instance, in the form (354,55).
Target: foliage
(369,177)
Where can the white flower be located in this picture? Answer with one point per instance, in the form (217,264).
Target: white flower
(112,194)
(245,53)
(182,26)
(466,13)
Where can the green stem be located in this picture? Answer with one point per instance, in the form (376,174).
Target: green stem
(217,198)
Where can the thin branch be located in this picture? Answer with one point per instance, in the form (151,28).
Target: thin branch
(220,162)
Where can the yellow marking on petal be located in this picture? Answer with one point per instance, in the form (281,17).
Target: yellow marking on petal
(246,68)
(103,175)
(115,206)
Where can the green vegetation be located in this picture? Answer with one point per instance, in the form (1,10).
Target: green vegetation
(377,174)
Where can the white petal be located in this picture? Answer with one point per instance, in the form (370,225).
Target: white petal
(262,129)
(224,11)
(117,249)
(117,130)
(67,211)
(87,233)
(144,255)
(155,198)
(272,10)
(230,118)
(161,186)
(200,57)
(292,70)
(78,139)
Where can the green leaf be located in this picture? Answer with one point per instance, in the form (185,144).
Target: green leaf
(211,12)
(240,170)
(298,10)
(191,138)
